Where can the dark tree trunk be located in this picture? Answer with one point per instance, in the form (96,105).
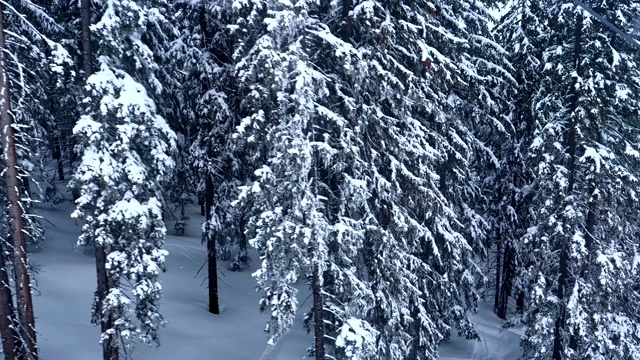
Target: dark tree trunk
(570,142)
(212,262)
(558,343)
(497,295)
(10,340)
(21,272)
(87,64)
(57,155)
(508,273)
(110,348)
(243,256)
(520,302)
(87,56)
(347,26)
(318,315)
(60,170)
(241,260)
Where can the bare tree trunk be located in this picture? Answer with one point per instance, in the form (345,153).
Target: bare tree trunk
(110,348)
(23,281)
(318,315)
(7,314)
(212,262)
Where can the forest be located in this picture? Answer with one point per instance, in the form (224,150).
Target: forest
(380,168)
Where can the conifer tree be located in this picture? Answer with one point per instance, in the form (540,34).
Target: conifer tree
(126,158)
(208,106)
(28,57)
(520,32)
(580,252)
(298,210)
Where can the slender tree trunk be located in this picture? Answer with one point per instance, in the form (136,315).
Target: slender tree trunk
(347,26)
(60,170)
(497,295)
(558,346)
(87,62)
(212,262)
(7,314)
(87,55)
(318,315)
(571,143)
(508,273)
(520,302)
(110,348)
(23,281)
(57,155)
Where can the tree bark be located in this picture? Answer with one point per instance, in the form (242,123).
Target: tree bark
(212,262)
(506,284)
(110,348)
(520,302)
(87,56)
(496,300)
(318,315)
(22,279)
(347,26)
(7,313)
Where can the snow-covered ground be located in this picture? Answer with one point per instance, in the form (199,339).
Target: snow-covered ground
(66,280)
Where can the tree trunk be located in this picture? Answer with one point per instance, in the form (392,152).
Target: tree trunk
(243,255)
(110,348)
(497,295)
(87,56)
(564,280)
(87,66)
(508,273)
(212,262)
(57,155)
(558,346)
(23,281)
(7,314)
(520,302)
(347,26)
(318,315)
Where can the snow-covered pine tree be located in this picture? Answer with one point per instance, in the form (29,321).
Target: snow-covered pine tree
(203,52)
(581,255)
(28,57)
(521,31)
(377,99)
(416,63)
(126,148)
(477,121)
(287,225)
(60,96)
(371,260)
(300,220)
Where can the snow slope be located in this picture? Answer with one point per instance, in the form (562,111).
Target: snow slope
(66,281)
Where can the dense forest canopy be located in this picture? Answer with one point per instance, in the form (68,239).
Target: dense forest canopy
(401,161)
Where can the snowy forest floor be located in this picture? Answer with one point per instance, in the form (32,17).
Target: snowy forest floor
(66,281)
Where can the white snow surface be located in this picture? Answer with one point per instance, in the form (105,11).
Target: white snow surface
(66,281)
